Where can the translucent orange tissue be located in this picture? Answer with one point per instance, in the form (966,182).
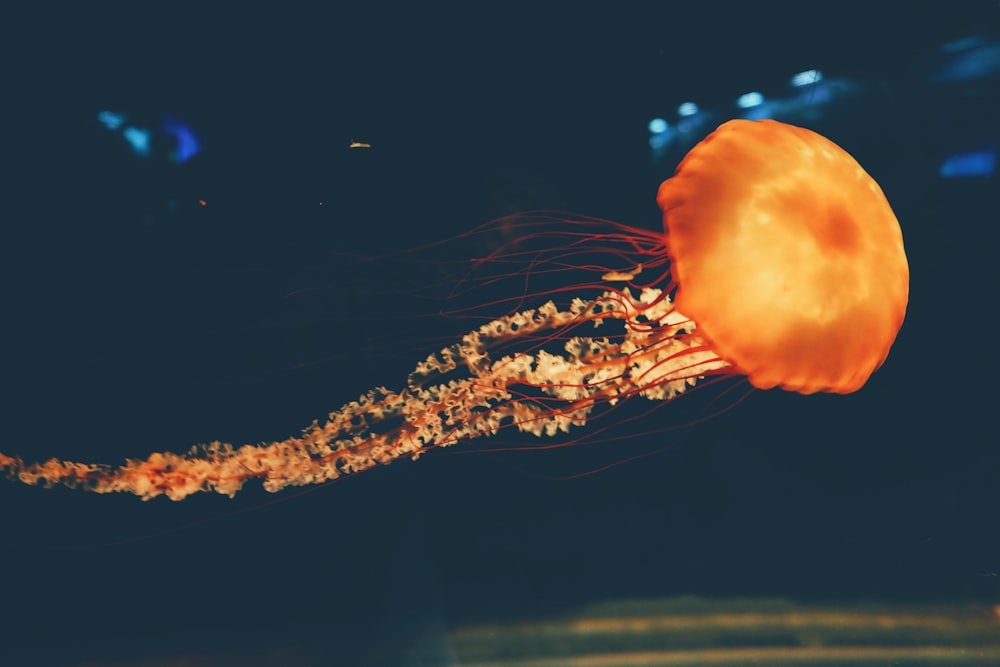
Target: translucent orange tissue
(787,255)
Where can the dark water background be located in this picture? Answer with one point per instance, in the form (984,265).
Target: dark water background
(137,320)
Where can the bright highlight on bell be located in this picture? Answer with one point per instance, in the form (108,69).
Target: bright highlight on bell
(780,260)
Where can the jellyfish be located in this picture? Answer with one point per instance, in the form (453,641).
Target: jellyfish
(780,261)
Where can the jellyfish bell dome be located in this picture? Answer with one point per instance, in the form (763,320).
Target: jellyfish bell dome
(786,255)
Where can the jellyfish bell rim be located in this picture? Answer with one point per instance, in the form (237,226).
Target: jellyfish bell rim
(787,256)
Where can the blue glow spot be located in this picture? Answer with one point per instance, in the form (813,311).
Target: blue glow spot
(111,120)
(817,95)
(659,141)
(976,61)
(977,163)
(687,109)
(187,144)
(963,44)
(760,112)
(749,100)
(139,140)
(657,126)
(806,78)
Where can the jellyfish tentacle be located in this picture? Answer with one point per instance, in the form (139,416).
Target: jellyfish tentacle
(461,392)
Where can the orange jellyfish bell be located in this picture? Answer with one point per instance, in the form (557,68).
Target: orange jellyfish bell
(786,255)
